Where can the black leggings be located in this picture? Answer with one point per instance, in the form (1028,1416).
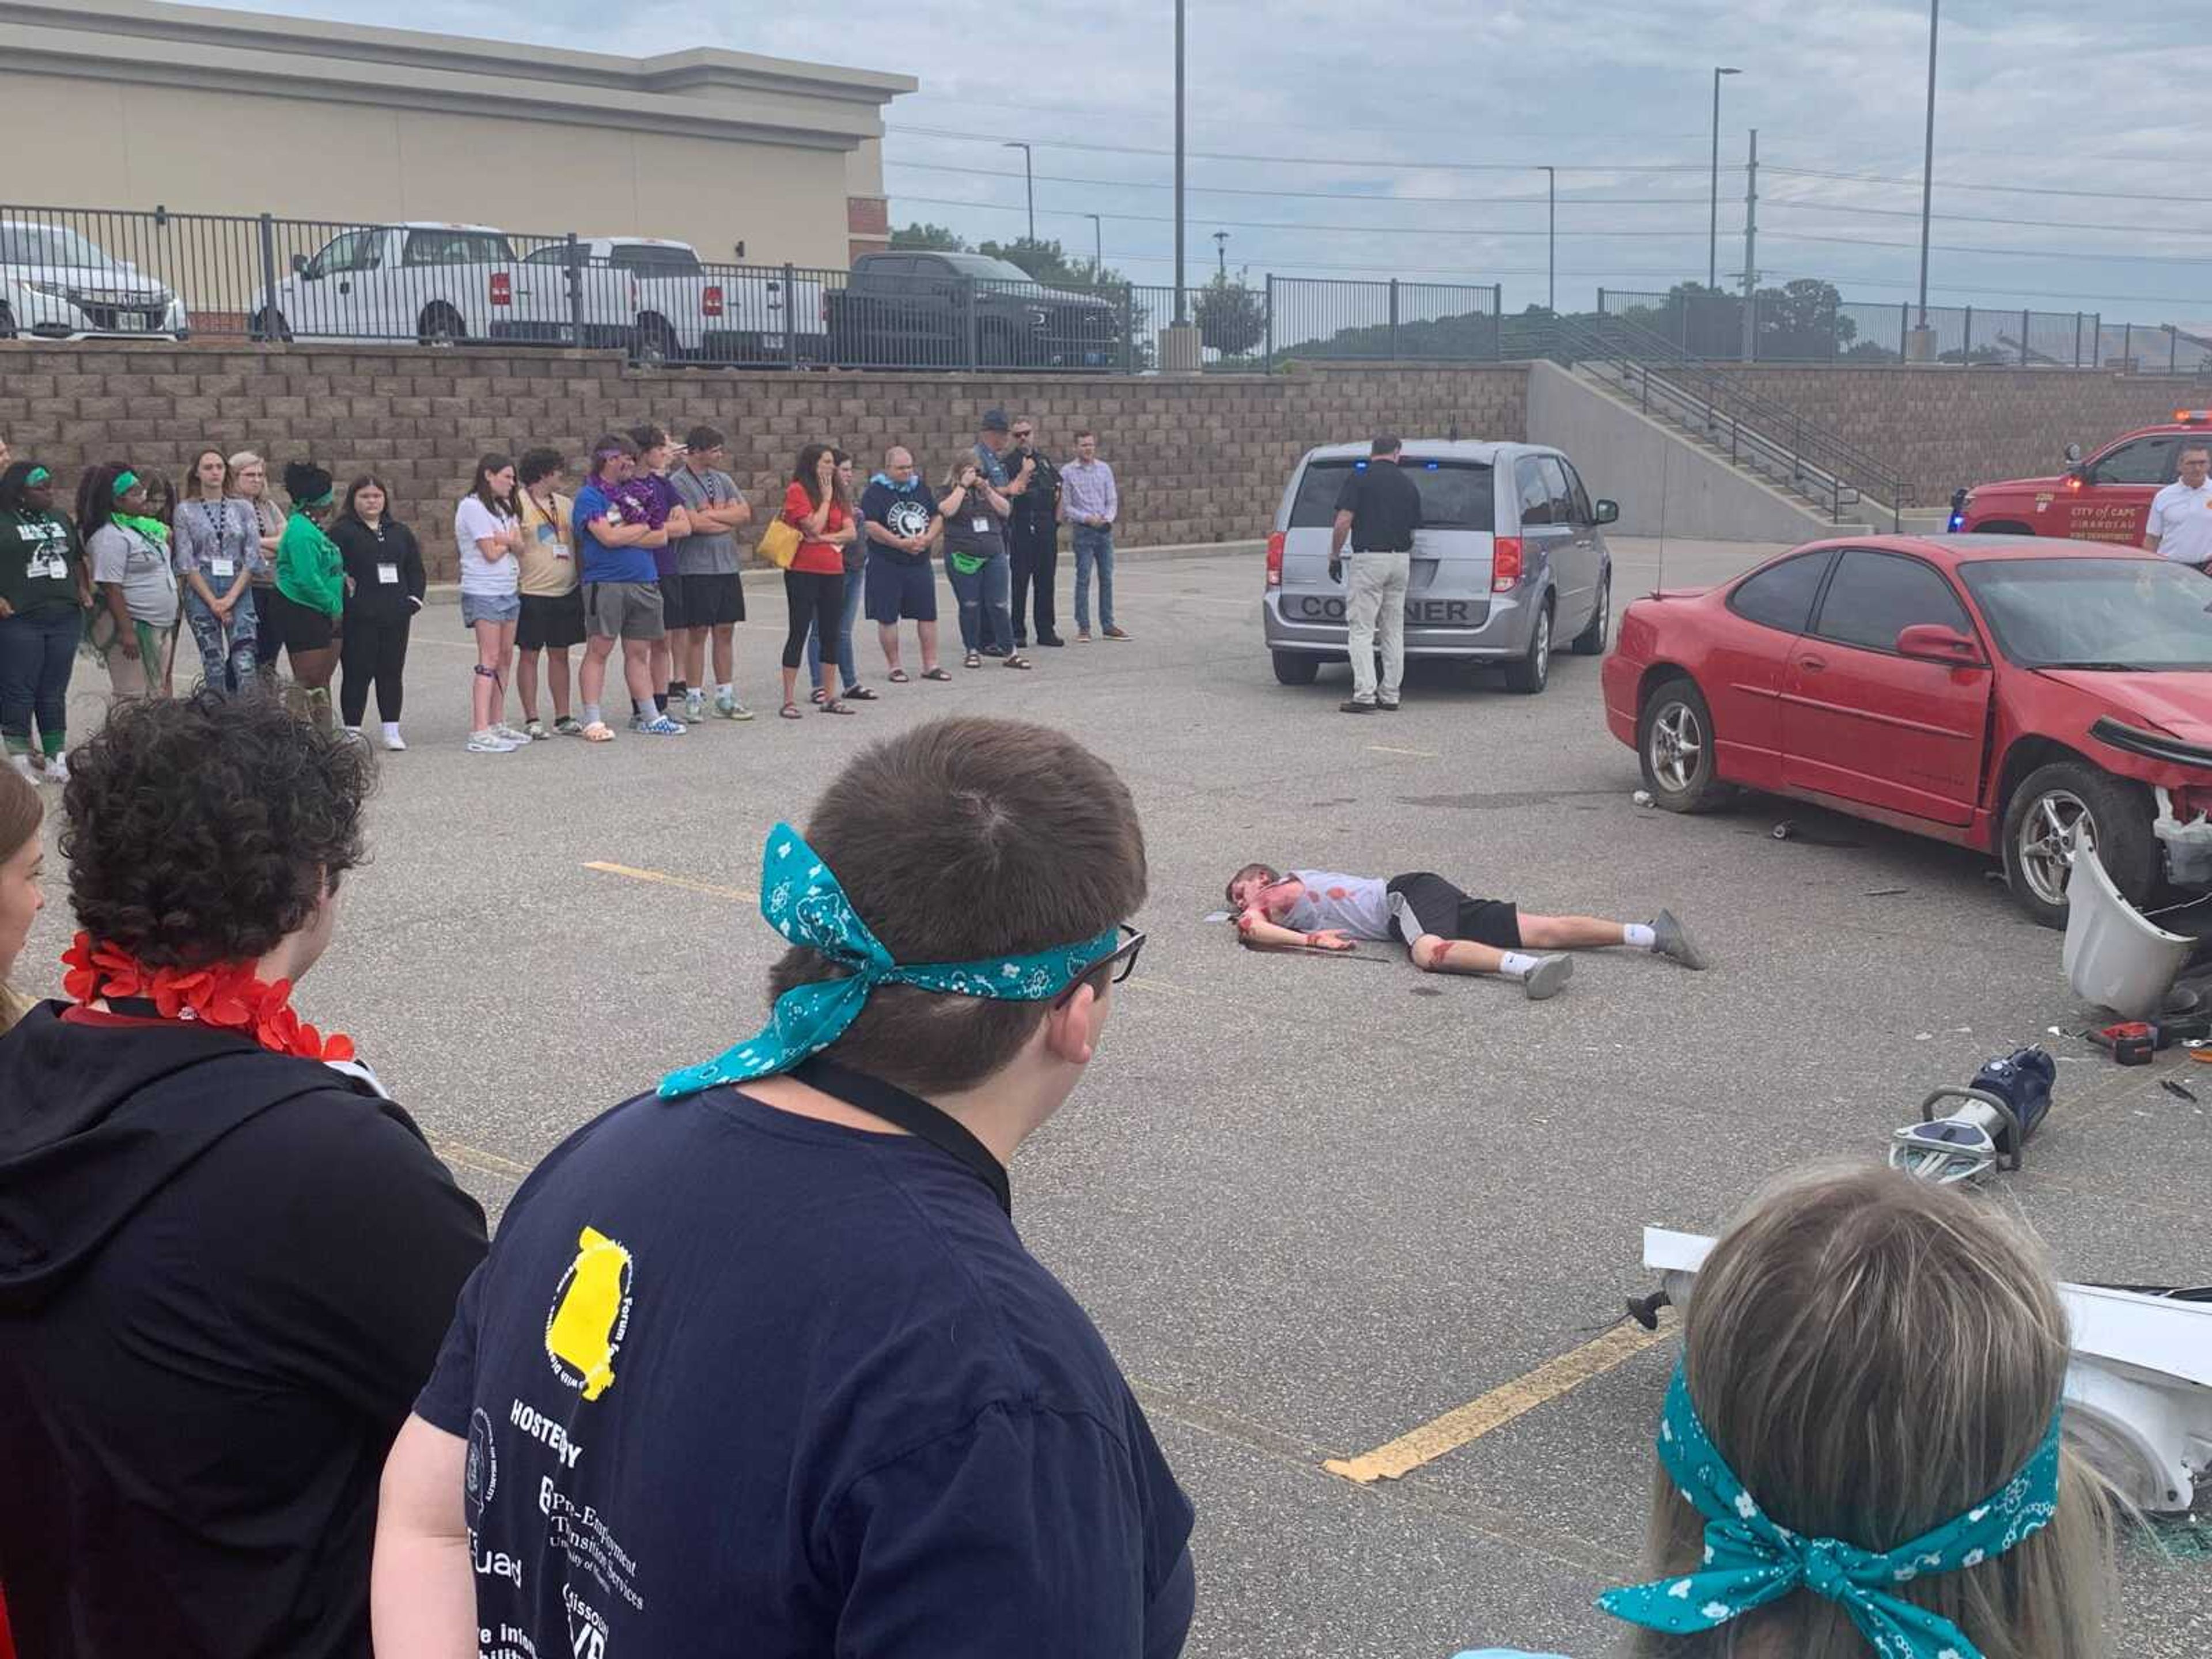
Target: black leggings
(817,601)
(373,649)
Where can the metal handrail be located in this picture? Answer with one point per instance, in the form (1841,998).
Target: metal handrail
(1836,471)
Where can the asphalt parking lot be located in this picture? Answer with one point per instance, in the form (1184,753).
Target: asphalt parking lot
(1313,1203)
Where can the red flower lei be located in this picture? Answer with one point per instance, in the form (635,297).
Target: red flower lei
(231,997)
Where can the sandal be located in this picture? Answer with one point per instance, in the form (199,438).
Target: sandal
(837,708)
(790,712)
(897,677)
(598,731)
(859,694)
(935,674)
(1019,662)
(974,660)
(818,697)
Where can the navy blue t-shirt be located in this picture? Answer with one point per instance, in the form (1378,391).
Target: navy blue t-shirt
(741,1382)
(909,511)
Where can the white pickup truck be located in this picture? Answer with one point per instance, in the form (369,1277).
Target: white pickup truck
(654,299)
(422,282)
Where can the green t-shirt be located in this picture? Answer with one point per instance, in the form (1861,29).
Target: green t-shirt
(310,569)
(39,559)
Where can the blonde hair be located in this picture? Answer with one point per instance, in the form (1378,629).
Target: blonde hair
(1872,1355)
(269,517)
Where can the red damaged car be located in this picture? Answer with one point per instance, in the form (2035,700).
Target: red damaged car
(1996,691)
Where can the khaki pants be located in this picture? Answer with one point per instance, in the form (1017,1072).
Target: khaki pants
(1378,600)
(149,673)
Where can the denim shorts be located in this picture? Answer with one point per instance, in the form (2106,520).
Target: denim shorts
(489,607)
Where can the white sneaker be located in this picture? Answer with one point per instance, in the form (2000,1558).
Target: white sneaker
(512,738)
(392,740)
(58,768)
(732,708)
(694,708)
(488,742)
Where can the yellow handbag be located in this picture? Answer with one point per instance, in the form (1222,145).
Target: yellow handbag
(779,543)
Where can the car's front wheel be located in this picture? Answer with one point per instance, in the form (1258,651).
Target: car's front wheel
(1674,744)
(2056,803)
(1296,667)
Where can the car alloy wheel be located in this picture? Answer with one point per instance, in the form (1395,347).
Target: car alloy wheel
(2048,838)
(1678,746)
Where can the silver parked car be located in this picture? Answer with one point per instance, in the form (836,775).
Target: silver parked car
(1507,558)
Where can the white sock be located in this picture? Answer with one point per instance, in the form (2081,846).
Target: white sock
(392,728)
(1518,965)
(724,689)
(1641,936)
(353,731)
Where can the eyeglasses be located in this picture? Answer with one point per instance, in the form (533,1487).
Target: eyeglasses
(1122,960)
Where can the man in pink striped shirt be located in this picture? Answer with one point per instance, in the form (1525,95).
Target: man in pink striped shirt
(1090,503)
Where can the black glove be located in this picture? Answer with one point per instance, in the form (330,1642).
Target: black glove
(1336,570)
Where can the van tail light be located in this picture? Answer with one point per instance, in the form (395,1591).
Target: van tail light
(710,302)
(1505,564)
(1275,560)
(502,288)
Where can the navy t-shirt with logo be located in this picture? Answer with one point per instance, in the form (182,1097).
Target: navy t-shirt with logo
(741,1382)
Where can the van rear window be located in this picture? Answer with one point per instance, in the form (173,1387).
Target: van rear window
(1454,495)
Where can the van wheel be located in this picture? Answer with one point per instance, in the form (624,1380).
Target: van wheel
(441,327)
(2115,817)
(1675,745)
(1591,641)
(1533,672)
(1296,667)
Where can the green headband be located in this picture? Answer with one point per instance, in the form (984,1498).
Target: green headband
(37,475)
(125,481)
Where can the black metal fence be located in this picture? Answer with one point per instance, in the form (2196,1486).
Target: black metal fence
(1390,321)
(1812,326)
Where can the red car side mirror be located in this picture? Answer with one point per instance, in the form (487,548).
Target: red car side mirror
(1933,642)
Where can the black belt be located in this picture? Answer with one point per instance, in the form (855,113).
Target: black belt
(911,1113)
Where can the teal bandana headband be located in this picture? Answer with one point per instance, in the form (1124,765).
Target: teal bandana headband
(125,481)
(804,903)
(1750,1559)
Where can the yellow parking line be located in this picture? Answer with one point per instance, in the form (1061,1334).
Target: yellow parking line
(1500,1407)
(743,895)
(1385,749)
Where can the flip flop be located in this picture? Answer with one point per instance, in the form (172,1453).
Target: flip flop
(974,660)
(790,712)
(935,674)
(1019,662)
(838,708)
(859,694)
(897,677)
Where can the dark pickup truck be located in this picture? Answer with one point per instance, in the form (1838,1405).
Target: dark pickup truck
(916,309)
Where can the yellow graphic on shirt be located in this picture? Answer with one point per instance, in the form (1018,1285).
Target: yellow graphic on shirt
(591,1313)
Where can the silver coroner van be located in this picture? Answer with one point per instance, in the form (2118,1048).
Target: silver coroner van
(1508,558)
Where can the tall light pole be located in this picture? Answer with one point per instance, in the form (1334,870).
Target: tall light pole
(1927,163)
(1181,315)
(1221,248)
(1029,181)
(1713,236)
(1097,249)
(1551,240)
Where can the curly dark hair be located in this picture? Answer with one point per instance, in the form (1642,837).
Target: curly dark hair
(202,830)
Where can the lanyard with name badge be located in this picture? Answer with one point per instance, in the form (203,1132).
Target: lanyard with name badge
(220,565)
(912,1113)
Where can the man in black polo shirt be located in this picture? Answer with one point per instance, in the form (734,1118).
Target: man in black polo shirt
(760,1365)
(1379,509)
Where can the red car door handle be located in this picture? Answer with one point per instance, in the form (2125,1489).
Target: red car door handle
(1813,664)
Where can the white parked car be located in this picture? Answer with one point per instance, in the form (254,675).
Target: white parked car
(57,285)
(422,282)
(653,299)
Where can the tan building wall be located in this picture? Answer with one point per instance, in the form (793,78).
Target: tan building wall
(128,104)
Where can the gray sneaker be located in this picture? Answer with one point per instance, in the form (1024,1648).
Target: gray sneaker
(1549,974)
(1675,940)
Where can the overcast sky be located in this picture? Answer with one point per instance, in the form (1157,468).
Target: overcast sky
(1390,121)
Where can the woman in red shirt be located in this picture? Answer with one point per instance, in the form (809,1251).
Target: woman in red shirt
(814,586)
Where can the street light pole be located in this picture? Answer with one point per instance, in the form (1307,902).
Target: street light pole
(1927,163)
(1029,181)
(1221,247)
(1551,240)
(1713,236)
(1180,314)
(1097,249)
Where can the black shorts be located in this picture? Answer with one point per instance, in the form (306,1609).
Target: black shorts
(1426,903)
(550,621)
(295,626)
(714,600)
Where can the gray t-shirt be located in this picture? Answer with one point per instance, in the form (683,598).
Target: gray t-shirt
(714,554)
(1357,905)
(123,558)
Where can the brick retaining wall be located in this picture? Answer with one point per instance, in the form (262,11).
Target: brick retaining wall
(1200,460)
(1941,428)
